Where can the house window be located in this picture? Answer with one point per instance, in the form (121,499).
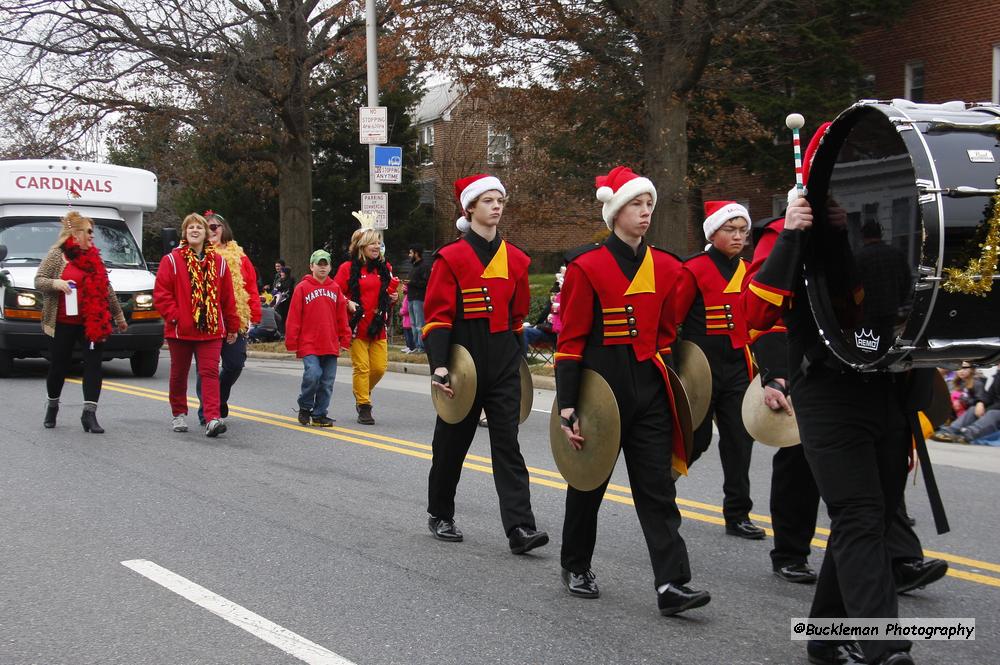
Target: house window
(915,81)
(996,74)
(425,145)
(498,145)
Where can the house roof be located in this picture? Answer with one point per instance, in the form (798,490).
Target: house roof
(438,101)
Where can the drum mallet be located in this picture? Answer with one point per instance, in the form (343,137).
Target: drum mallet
(794,122)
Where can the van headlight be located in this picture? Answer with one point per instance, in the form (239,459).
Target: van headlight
(27,299)
(143,301)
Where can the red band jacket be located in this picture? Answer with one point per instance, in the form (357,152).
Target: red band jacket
(601,308)
(474,279)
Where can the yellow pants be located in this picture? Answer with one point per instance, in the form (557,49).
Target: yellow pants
(369,358)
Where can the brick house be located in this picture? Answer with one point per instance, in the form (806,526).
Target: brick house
(455,138)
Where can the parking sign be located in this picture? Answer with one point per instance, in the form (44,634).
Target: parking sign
(388,166)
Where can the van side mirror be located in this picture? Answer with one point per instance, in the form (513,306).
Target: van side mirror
(170,239)
(3,252)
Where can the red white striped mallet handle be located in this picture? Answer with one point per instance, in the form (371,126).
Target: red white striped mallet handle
(795,121)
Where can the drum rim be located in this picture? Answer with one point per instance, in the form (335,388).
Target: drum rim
(896,358)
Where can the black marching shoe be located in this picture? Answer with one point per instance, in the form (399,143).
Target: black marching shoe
(581,585)
(910,575)
(677,598)
(89,422)
(524,539)
(744,528)
(894,658)
(825,653)
(322,421)
(304,416)
(50,415)
(444,529)
(365,414)
(796,573)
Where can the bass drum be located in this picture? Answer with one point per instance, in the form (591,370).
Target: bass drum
(900,192)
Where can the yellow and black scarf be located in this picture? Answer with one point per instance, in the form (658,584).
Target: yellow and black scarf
(204,289)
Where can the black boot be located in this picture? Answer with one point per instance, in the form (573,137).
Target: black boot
(50,414)
(89,421)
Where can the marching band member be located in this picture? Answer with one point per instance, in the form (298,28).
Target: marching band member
(478,296)
(794,495)
(855,436)
(618,321)
(708,304)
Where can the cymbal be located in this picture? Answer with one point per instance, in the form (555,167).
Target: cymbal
(600,425)
(462,375)
(683,405)
(527,391)
(696,375)
(770,427)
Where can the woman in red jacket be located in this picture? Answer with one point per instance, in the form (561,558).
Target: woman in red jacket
(194,294)
(234,356)
(368,282)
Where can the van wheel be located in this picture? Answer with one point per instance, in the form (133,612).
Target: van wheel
(144,363)
(6,363)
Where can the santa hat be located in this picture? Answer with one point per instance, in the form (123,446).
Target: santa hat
(718,213)
(619,187)
(470,188)
(807,159)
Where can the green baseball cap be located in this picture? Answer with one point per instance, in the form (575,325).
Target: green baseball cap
(320,255)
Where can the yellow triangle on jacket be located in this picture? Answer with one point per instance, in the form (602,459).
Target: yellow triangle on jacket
(498,265)
(645,279)
(736,283)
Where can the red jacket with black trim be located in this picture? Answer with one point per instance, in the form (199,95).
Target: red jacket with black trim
(708,303)
(602,308)
(460,288)
(770,345)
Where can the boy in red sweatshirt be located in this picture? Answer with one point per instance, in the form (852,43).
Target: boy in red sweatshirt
(320,302)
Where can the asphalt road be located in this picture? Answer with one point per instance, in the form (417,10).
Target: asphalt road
(323,533)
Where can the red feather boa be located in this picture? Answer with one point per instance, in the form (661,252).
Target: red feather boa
(93,290)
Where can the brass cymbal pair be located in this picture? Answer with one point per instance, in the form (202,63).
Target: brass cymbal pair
(600,419)
(463,380)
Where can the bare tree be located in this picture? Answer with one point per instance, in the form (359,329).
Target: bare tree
(94,58)
(659,50)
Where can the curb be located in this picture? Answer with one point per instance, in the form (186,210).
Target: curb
(416,369)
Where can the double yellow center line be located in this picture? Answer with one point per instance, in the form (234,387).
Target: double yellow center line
(972,570)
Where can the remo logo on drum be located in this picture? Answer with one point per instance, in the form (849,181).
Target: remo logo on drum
(866,340)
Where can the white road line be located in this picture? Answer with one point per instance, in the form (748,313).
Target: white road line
(256,625)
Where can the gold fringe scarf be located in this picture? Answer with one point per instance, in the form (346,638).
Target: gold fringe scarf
(204,289)
(233,254)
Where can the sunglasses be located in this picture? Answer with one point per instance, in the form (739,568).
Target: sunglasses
(214,227)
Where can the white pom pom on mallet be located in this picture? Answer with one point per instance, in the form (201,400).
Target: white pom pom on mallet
(795,121)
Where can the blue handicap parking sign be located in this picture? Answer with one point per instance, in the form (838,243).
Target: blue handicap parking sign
(387,155)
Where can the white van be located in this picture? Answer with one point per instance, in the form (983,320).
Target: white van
(34,195)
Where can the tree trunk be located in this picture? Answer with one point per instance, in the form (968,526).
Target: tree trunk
(666,161)
(295,202)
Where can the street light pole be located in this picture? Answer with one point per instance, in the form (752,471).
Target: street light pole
(372,50)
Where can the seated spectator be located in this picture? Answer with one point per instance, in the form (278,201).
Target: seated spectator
(967,386)
(979,420)
(267,329)
(542,330)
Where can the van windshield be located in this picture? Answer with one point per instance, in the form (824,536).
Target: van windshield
(28,240)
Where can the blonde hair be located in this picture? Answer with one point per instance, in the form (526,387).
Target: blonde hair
(193,218)
(361,239)
(70,224)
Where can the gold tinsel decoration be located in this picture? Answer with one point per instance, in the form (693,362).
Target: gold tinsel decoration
(977,278)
